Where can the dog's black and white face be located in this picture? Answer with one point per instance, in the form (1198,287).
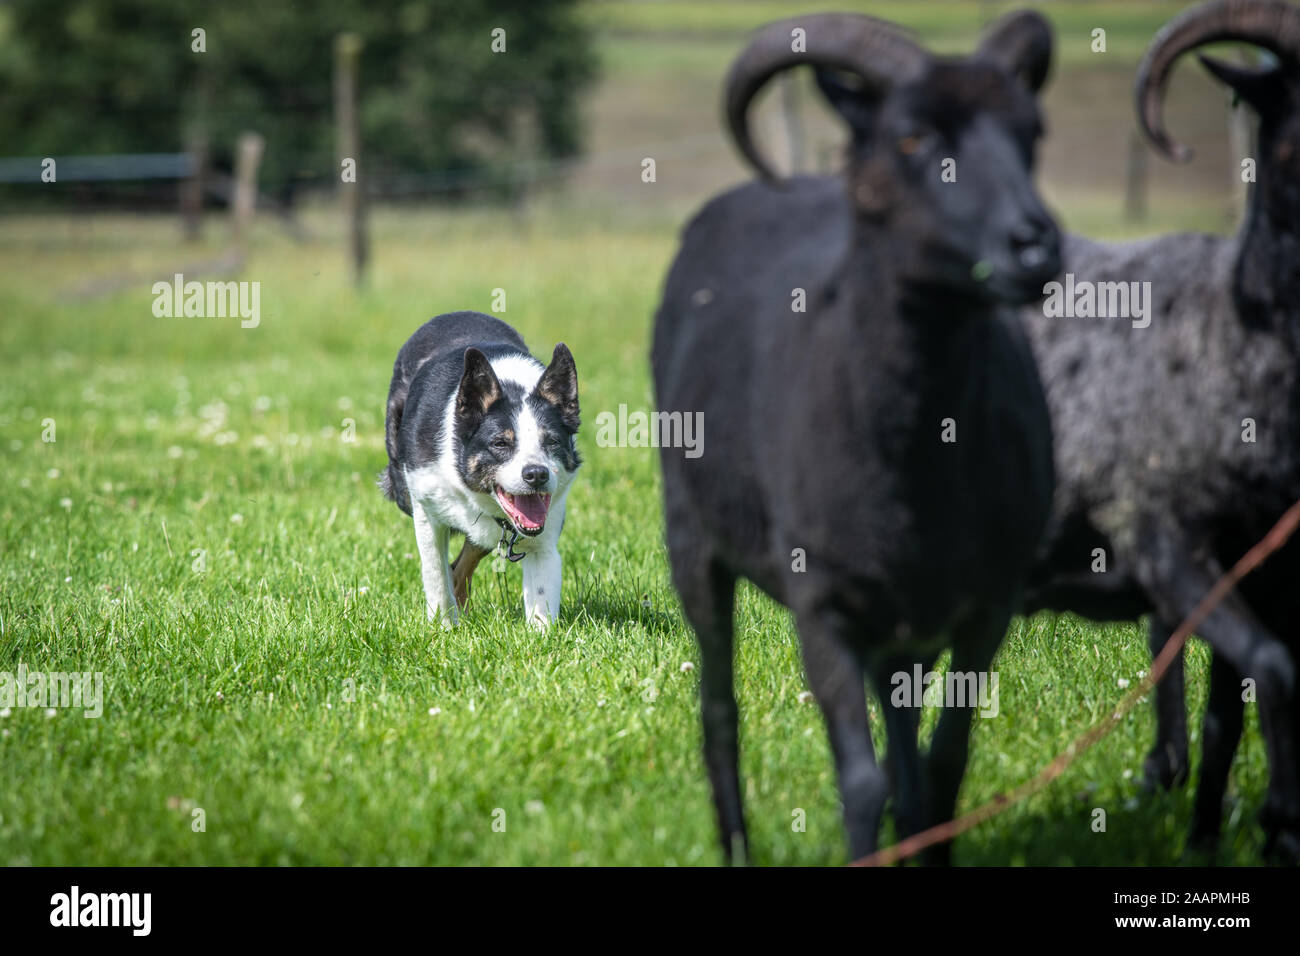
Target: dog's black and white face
(515,439)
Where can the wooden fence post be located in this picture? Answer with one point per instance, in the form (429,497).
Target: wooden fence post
(1135,179)
(191,188)
(347,57)
(1240,140)
(793,126)
(247,159)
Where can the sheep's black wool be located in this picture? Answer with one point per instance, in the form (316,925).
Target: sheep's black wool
(1178,444)
(830,476)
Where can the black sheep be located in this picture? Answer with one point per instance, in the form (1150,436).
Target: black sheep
(827,428)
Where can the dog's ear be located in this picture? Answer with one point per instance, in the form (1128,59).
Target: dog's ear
(559,386)
(478,389)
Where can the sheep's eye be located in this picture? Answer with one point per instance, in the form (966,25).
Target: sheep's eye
(917,144)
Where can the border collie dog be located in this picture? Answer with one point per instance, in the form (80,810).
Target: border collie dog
(480,439)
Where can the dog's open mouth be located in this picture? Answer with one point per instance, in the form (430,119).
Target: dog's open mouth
(526,512)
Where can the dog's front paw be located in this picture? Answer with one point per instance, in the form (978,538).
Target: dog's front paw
(443,618)
(540,620)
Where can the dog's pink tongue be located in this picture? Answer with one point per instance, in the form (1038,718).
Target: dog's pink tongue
(533,507)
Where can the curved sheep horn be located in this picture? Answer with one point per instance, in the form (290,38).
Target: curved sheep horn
(870,48)
(1020,43)
(1271,24)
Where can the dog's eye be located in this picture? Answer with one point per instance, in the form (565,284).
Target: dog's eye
(501,444)
(551,442)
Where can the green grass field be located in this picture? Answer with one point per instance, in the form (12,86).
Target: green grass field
(204,529)
(200,532)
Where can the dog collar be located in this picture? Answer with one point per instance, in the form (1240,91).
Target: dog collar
(507,529)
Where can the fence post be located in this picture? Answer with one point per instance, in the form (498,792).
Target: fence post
(1135,179)
(191,188)
(1238,149)
(347,56)
(247,159)
(793,127)
(1240,139)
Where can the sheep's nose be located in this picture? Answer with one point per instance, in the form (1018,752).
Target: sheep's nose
(536,475)
(1035,244)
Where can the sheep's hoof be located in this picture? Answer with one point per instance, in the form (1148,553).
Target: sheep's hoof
(1281,841)
(1202,845)
(1283,848)
(938,855)
(735,852)
(1164,769)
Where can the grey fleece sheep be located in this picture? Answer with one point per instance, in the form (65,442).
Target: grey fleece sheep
(1178,443)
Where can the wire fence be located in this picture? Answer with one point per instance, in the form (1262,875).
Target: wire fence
(144,167)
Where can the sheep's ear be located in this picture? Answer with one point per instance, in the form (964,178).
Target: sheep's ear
(848,95)
(1260,88)
(478,388)
(1020,43)
(559,386)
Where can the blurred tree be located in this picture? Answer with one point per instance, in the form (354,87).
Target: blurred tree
(101,76)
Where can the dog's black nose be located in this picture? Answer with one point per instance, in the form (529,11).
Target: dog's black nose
(536,475)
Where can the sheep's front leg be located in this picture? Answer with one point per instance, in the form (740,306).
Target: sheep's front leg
(974,643)
(542,587)
(431,538)
(836,678)
(708,595)
(902,760)
(1176,581)
(1166,763)
(1220,734)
